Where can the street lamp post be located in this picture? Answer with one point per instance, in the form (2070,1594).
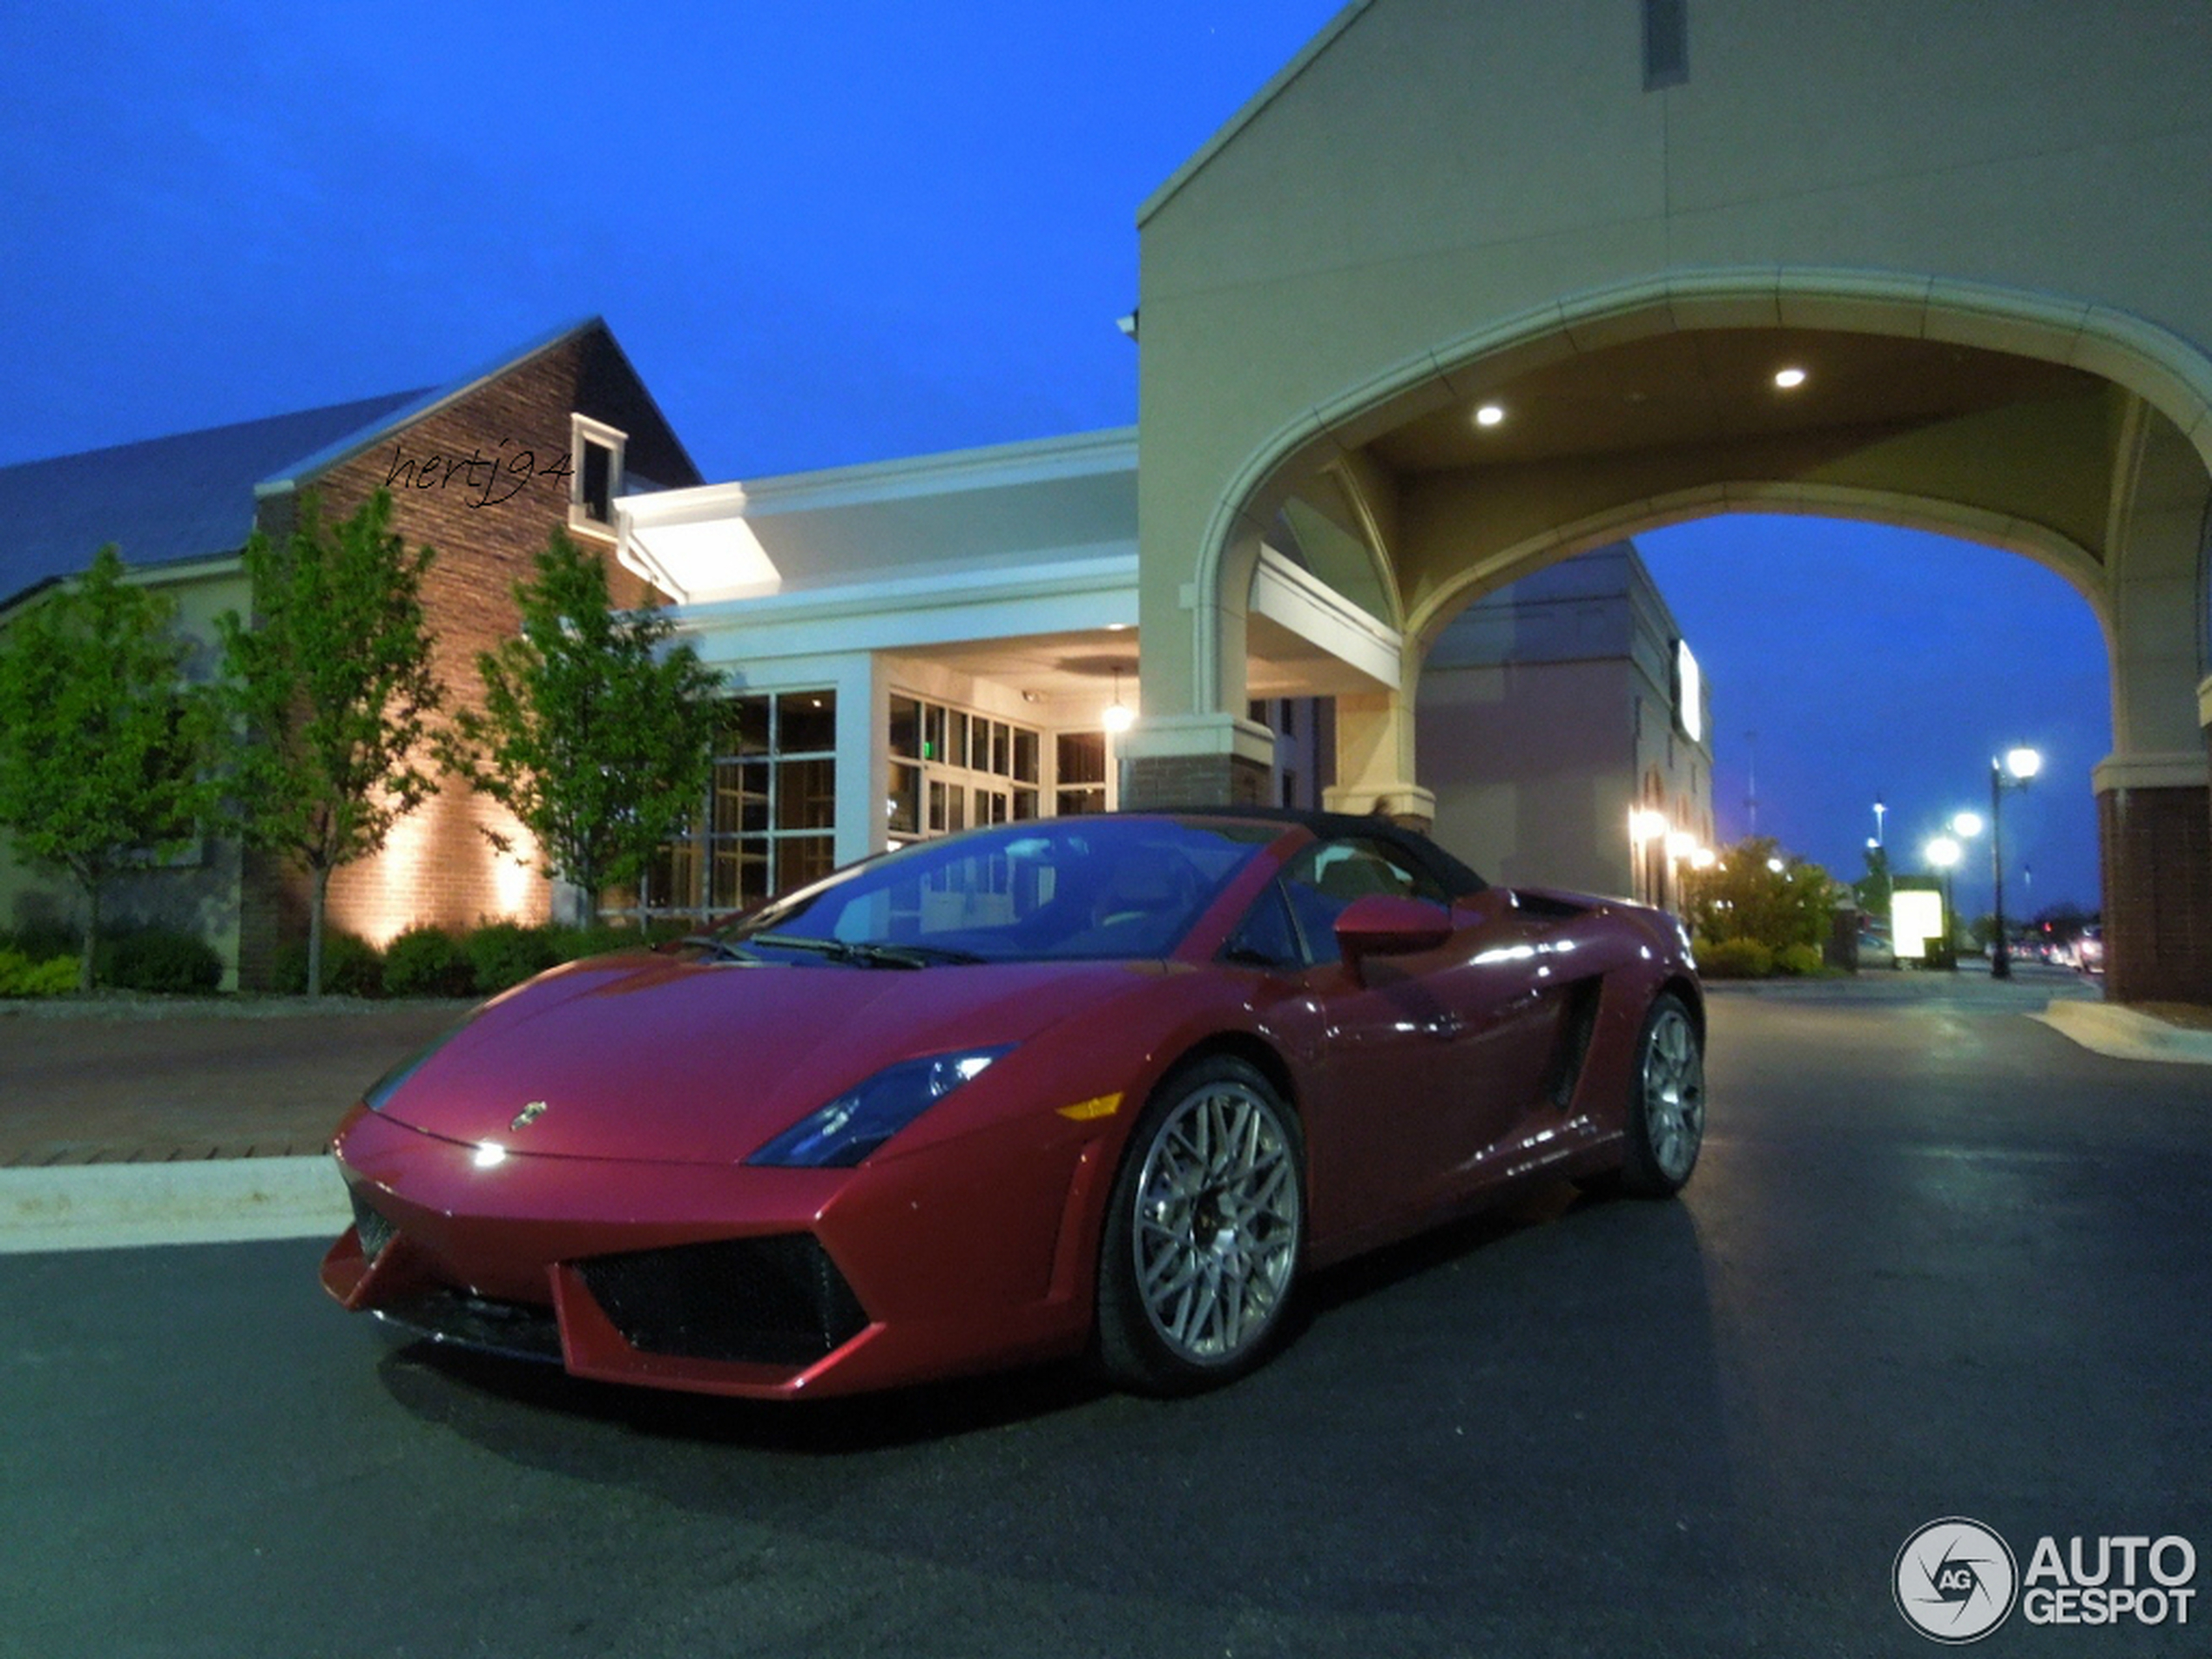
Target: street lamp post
(2021,764)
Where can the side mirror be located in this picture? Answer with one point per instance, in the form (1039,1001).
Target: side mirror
(1383,924)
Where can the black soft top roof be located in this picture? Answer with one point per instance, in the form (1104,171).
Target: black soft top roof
(1457,879)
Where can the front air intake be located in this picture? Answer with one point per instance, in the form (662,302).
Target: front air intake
(777,1301)
(375,1231)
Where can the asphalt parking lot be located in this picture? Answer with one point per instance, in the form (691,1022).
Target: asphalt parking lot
(1937,1261)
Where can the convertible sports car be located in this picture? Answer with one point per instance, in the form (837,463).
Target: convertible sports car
(1105,1084)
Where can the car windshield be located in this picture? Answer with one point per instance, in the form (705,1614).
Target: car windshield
(1048,890)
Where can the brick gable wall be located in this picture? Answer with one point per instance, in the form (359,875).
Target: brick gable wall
(485,527)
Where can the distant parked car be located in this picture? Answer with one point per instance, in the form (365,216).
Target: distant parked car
(1875,949)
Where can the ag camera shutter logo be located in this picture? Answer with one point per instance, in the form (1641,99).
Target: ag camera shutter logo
(1955,1580)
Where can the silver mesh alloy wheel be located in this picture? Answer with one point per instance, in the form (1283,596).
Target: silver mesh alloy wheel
(1218,1218)
(1674,1093)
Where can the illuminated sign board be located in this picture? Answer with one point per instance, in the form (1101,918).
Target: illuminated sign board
(1690,695)
(1916,921)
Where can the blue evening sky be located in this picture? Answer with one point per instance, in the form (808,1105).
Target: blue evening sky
(838,233)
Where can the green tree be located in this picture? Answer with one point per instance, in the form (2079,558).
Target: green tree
(104,750)
(595,731)
(1757,892)
(331,684)
(1873,887)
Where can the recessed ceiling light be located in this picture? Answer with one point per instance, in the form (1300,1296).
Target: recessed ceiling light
(1789,379)
(1489,414)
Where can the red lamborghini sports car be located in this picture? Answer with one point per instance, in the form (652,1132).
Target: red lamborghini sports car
(1100,1084)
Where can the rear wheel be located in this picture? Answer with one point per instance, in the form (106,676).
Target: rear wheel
(1206,1222)
(1666,1102)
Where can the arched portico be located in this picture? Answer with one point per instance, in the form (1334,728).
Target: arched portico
(2036,406)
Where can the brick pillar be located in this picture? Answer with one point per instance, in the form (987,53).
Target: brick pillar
(2154,845)
(1196,760)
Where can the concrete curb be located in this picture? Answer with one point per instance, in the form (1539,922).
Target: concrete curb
(100,1206)
(2123,1033)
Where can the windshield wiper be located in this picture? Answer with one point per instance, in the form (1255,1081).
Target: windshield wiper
(862,953)
(724,948)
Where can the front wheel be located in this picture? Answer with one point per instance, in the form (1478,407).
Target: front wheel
(1666,1102)
(1206,1222)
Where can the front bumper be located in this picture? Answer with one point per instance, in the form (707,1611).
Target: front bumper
(766,1282)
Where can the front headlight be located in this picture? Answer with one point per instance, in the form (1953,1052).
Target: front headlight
(865,1116)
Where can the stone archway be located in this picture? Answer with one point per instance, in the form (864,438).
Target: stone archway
(2066,433)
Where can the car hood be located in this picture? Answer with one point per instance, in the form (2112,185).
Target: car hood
(670,1060)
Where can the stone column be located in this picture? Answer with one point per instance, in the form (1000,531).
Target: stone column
(1375,761)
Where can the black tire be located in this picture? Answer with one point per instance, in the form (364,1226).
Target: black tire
(1204,1228)
(1666,1102)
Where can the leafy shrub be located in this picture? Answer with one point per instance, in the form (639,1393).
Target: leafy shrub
(427,961)
(574,944)
(1736,958)
(20,975)
(43,940)
(350,966)
(161,960)
(1799,961)
(502,954)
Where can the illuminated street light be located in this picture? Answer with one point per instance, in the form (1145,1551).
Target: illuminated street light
(2021,764)
(1777,865)
(1966,826)
(1945,854)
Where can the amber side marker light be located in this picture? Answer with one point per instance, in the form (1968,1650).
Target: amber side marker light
(1097,1106)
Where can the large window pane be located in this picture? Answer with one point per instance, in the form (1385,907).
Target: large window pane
(806,795)
(807,723)
(906,729)
(746,733)
(1083,757)
(905,806)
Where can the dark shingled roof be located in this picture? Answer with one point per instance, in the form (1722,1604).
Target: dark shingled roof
(161,502)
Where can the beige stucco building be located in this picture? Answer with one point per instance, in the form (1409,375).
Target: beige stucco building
(1976,233)
(1564,732)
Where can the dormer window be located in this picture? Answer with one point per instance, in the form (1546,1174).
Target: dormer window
(597,479)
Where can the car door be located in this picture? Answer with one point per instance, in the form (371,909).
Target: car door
(1416,1066)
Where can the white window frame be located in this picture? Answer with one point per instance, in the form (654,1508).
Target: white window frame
(583,429)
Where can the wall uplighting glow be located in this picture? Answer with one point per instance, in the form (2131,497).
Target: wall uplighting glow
(1645,824)
(512,879)
(1681,844)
